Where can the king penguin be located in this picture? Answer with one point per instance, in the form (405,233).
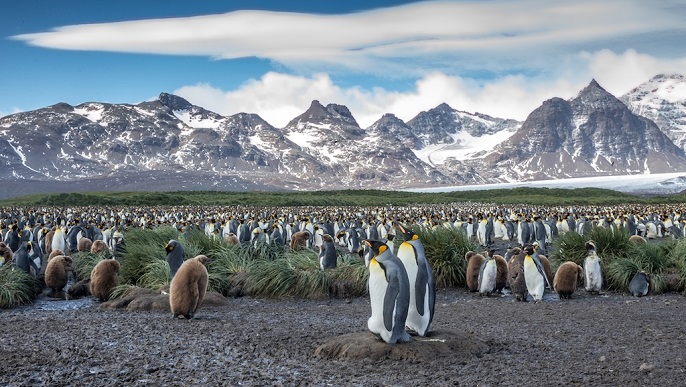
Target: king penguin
(389,294)
(534,275)
(487,276)
(327,253)
(175,252)
(592,271)
(640,284)
(420,276)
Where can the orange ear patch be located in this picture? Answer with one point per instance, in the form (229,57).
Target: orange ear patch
(382,248)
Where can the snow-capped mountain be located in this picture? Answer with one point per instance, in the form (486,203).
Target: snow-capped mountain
(171,144)
(592,134)
(663,100)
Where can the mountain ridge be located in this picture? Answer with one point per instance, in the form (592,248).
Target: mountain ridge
(591,134)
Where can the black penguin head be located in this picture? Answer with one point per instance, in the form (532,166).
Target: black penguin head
(170,246)
(377,247)
(529,249)
(407,233)
(590,245)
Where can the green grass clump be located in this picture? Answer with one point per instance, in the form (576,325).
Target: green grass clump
(445,248)
(121,291)
(296,274)
(609,244)
(157,275)
(84,263)
(144,247)
(18,288)
(653,258)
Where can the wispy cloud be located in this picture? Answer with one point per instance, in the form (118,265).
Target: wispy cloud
(278,97)
(486,35)
(7,113)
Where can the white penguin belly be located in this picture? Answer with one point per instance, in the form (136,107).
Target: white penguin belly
(535,284)
(487,284)
(377,294)
(414,321)
(594,279)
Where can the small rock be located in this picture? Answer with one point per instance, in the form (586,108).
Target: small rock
(602,358)
(645,367)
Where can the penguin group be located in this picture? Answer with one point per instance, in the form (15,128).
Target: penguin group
(401,288)
(29,236)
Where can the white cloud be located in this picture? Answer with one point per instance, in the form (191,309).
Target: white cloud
(487,35)
(619,73)
(13,111)
(278,97)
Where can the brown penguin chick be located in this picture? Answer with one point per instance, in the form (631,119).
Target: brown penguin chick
(48,242)
(515,272)
(84,245)
(299,240)
(637,239)
(79,289)
(99,246)
(474,262)
(104,278)
(6,252)
(501,276)
(55,253)
(231,239)
(568,276)
(57,273)
(188,287)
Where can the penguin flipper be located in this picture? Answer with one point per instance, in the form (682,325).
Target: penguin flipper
(392,291)
(420,287)
(541,270)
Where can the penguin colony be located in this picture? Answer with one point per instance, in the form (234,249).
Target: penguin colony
(30,235)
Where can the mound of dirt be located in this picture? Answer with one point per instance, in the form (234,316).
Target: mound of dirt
(440,344)
(143,299)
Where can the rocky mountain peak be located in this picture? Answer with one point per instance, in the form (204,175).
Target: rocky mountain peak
(595,96)
(342,112)
(174,102)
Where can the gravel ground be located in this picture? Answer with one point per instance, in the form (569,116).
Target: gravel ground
(611,339)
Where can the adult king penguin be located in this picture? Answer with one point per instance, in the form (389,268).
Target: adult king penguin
(175,253)
(592,271)
(389,294)
(327,253)
(534,274)
(420,276)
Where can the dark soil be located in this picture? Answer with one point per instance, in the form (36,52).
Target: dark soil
(611,339)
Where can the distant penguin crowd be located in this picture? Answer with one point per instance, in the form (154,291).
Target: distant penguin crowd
(40,241)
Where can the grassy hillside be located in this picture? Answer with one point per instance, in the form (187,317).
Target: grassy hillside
(523,195)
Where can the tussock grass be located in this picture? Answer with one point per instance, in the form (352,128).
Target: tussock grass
(296,274)
(18,288)
(157,275)
(84,263)
(445,248)
(609,244)
(144,247)
(121,291)
(653,258)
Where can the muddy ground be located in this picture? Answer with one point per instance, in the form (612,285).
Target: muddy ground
(611,339)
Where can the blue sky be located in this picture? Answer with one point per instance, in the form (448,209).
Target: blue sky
(498,57)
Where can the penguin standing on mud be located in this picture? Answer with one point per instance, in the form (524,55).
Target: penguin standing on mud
(640,284)
(187,289)
(534,274)
(389,294)
(592,272)
(422,290)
